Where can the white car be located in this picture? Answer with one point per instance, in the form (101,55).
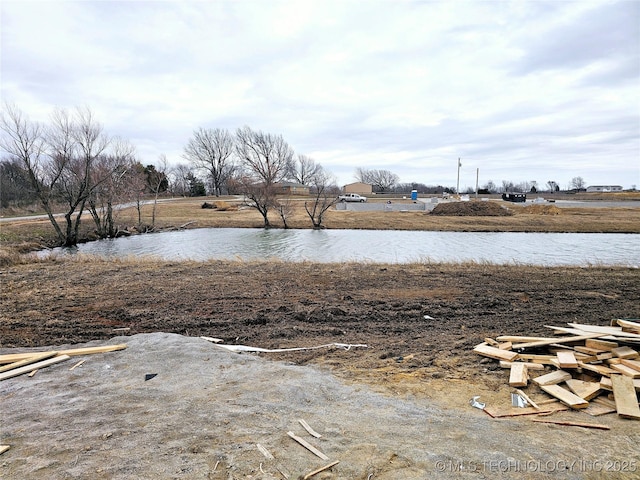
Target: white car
(352,197)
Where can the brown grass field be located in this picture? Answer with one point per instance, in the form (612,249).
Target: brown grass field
(420,321)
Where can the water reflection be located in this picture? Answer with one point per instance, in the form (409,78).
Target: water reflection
(386,246)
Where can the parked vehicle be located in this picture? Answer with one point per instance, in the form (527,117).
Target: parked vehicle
(514,197)
(352,197)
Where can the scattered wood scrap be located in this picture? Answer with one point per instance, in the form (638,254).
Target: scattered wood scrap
(16,364)
(576,369)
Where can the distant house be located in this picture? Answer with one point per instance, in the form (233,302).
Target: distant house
(359,188)
(604,188)
(292,188)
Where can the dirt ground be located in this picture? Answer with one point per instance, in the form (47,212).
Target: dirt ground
(397,409)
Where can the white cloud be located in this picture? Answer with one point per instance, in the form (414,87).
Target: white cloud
(522,90)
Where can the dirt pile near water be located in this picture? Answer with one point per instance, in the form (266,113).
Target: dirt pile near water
(477,209)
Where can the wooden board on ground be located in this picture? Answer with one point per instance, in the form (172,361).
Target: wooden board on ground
(595,409)
(600,344)
(625,352)
(573,424)
(635,364)
(560,340)
(308,446)
(624,370)
(552,378)
(492,352)
(548,408)
(519,377)
(565,396)
(34,366)
(585,390)
(567,359)
(16,357)
(529,365)
(625,397)
(35,358)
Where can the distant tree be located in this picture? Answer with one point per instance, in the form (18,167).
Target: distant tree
(533,189)
(302,169)
(578,183)
(490,187)
(109,176)
(381,180)
(157,182)
(553,186)
(265,159)
(212,150)
(325,192)
(196,186)
(15,186)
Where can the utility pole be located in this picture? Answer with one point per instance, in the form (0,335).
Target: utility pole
(477,176)
(458,182)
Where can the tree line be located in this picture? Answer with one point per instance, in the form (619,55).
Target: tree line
(72,162)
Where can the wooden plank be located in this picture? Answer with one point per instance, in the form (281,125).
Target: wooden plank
(493,352)
(309,430)
(635,364)
(526,397)
(588,350)
(601,344)
(308,446)
(552,378)
(529,365)
(535,358)
(34,366)
(518,377)
(516,338)
(625,352)
(605,384)
(613,331)
(596,409)
(573,424)
(548,408)
(599,369)
(585,390)
(625,397)
(4,448)
(624,370)
(567,359)
(565,396)
(504,346)
(629,326)
(551,341)
(321,469)
(15,357)
(35,358)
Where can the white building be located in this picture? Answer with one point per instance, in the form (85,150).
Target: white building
(604,188)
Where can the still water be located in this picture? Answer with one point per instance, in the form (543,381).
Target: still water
(380,246)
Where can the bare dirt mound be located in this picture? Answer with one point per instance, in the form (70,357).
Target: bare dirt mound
(542,210)
(472,209)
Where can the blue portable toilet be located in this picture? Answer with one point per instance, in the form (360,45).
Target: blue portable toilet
(414,194)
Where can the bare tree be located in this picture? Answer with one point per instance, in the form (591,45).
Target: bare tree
(23,140)
(553,186)
(211,150)
(325,195)
(303,169)
(157,182)
(381,180)
(109,176)
(578,183)
(75,144)
(264,158)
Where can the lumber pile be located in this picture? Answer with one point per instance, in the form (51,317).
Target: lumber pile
(15,364)
(591,368)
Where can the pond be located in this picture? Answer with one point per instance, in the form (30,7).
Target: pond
(379,246)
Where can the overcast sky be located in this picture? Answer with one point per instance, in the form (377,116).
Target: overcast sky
(522,90)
